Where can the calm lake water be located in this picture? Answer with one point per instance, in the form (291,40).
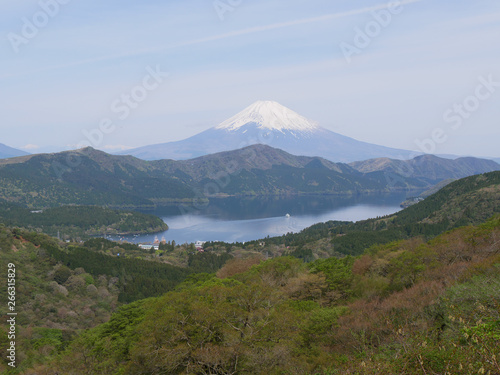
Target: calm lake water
(245,219)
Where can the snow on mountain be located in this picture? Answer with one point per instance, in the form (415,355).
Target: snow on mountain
(269,115)
(269,123)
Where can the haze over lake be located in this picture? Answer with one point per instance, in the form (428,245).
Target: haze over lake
(246,219)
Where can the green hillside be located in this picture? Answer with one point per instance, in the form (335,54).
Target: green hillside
(85,177)
(91,177)
(467,201)
(410,307)
(62,288)
(80,221)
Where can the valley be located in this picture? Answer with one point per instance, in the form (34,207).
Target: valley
(45,183)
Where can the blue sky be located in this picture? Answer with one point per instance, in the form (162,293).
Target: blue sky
(397,90)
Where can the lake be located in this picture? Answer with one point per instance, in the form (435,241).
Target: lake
(252,218)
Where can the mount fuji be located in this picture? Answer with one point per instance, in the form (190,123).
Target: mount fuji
(269,123)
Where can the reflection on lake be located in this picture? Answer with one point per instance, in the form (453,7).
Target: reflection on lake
(245,219)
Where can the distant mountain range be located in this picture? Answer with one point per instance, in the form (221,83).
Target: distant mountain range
(428,167)
(9,152)
(92,177)
(270,123)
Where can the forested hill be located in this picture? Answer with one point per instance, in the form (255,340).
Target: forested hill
(91,177)
(256,157)
(61,288)
(467,201)
(85,177)
(80,221)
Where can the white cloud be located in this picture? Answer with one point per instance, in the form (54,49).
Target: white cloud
(116,147)
(30,147)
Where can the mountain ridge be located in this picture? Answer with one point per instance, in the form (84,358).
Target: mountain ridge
(258,156)
(427,166)
(92,177)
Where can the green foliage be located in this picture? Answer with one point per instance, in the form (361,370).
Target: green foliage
(405,269)
(138,278)
(306,255)
(470,200)
(89,280)
(304,306)
(207,262)
(102,244)
(321,323)
(353,243)
(46,180)
(80,220)
(62,274)
(207,328)
(274,272)
(338,273)
(437,313)
(104,347)
(405,307)
(48,313)
(47,337)
(99,179)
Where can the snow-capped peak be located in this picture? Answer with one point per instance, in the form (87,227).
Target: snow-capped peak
(269,115)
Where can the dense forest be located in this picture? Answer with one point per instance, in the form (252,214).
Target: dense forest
(80,221)
(136,278)
(62,288)
(408,307)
